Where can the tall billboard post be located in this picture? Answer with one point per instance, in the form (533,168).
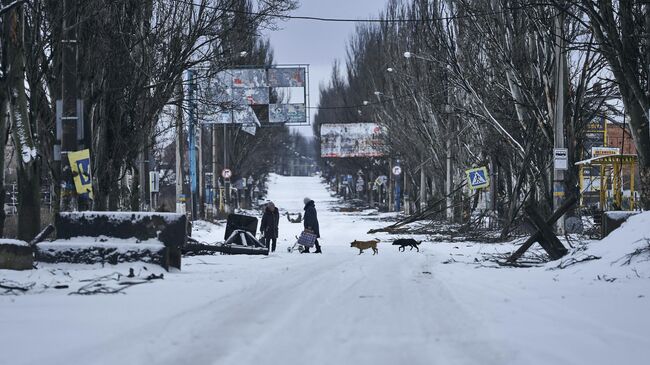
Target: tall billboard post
(250,98)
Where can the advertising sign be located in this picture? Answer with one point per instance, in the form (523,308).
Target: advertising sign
(248,78)
(250,96)
(287,77)
(604,151)
(80,165)
(351,140)
(287,113)
(245,115)
(257,87)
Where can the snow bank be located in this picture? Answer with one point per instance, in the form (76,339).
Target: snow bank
(207,232)
(122,216)
(7,241)
(121,245)
(624,253)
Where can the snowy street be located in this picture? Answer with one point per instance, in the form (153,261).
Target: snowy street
(334,308)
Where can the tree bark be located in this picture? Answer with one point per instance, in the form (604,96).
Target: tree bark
(28,170)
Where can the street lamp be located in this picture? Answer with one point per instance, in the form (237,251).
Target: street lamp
(415,55)
(390,69)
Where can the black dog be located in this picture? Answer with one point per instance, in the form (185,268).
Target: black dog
(403,242)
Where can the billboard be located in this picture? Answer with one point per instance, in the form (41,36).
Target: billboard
(255,95)
(287,113)
(351,140)
(287,77)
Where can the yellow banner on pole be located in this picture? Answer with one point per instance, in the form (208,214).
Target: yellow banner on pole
(80,164)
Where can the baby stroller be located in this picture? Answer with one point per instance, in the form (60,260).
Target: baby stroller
(306,240)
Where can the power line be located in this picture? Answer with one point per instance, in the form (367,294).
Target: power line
(379,102)
(351,20)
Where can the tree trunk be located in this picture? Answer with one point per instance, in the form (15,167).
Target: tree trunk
(29,202)
(4,108)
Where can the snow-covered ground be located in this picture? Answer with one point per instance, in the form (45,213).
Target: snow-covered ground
(340,307)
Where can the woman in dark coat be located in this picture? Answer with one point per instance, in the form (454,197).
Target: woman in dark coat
(269,225)
(311,222)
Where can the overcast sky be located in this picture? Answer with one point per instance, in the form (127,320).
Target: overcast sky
(319,43)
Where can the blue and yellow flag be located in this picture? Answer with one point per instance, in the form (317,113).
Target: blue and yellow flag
(80,164)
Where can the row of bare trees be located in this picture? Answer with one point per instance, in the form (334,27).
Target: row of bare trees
(475,81)
(130,62)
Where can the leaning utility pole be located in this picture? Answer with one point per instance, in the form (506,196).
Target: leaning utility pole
(560,93)
(67,133)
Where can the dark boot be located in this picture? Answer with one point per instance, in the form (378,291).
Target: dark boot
(305,250)
(318,248)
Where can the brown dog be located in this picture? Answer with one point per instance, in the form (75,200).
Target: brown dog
(364,245)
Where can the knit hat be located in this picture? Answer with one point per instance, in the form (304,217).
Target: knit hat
(306,200)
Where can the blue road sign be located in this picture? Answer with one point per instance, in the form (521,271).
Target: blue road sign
(478,178)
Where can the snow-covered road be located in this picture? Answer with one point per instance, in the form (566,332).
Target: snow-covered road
(334,308)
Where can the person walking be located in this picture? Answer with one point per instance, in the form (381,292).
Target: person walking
(310,222)
(269,225)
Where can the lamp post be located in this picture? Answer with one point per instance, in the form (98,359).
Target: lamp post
(394,192)
(423,177)
(450,127)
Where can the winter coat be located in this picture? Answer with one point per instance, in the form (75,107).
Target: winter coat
(270,221)
(311,219)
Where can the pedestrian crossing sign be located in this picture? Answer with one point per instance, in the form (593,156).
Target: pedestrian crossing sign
(478,178)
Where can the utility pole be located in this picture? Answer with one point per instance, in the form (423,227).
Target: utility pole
(560,93)
(449,201)
(423,189)
(215,174)
(201,173)
(226,181)
(180,201)
(191,126)
(68,104)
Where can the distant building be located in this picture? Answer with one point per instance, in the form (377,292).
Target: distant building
(617,137)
